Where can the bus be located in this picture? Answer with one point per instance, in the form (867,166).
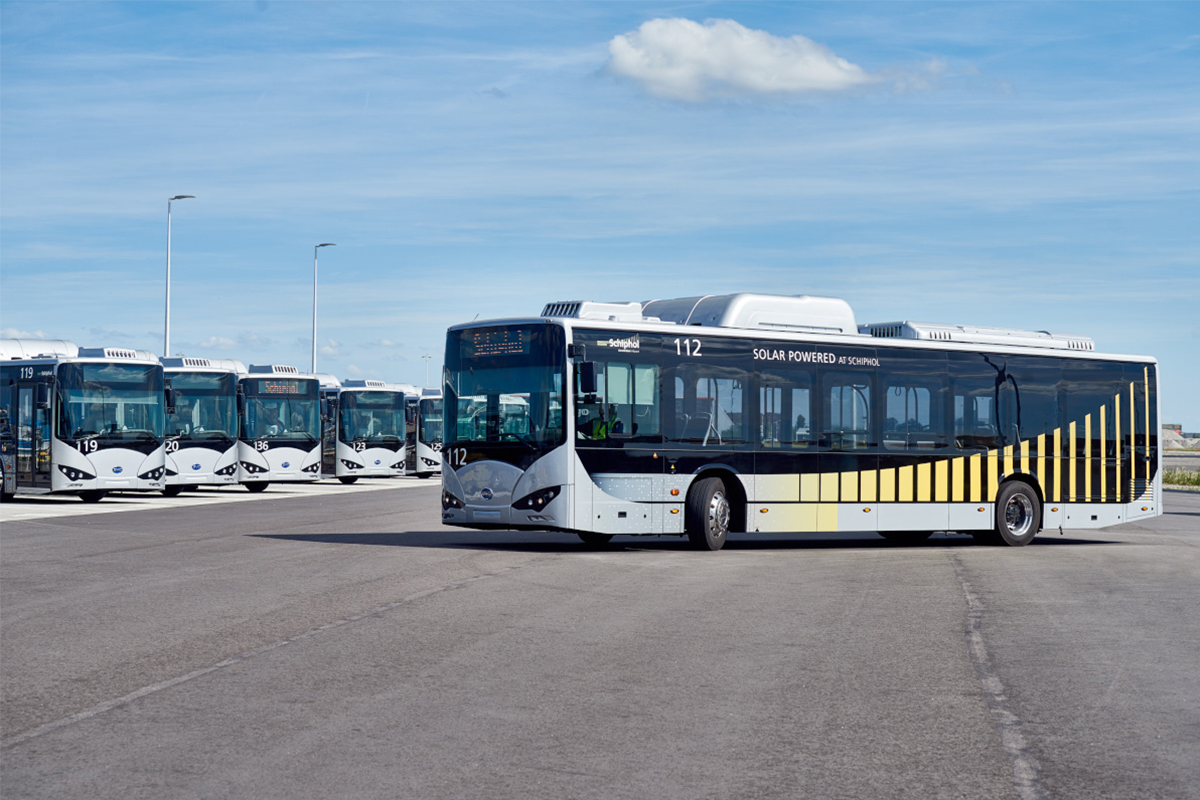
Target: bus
(202,426)
(764,413)
(279,427)
(425,458)
(8,458)
(363,429)
(86,421)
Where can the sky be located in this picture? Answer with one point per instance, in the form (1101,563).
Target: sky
(1031,166)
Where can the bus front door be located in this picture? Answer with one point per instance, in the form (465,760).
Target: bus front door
(33,439)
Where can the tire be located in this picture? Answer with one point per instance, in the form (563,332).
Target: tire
(91,496)
(596,539)
(256,486)
(1018,515)
(706,514)
(425,475)
(173,491)
(348,479)
(910,537)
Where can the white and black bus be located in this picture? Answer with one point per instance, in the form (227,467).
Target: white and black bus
(279,427)
(202,427)
(364,429)
(425,443)
(86,421)
(704,415)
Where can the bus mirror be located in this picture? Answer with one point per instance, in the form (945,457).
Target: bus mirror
(43,395)
(587,377)
(576,351)
(170,397)
(241,402)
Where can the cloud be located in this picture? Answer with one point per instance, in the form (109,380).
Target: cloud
(331,348)
(13,333)
(218,343)
(684,60)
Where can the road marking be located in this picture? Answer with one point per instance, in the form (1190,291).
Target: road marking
(1008,724)
(33,507)
(109,705)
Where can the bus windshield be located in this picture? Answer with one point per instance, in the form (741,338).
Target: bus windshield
(111,401)
(505,384)
(281,408)
(431,420)
(372,417)
(205,405)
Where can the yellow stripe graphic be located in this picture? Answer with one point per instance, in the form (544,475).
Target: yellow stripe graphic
(1103,454)
(905,475)
(924,482)
(976,478)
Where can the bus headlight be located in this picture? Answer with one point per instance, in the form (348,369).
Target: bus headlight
(429,462)
(350,464)
(254,469)
(154,474)
(449,501)
(313,468)
(539,499)
(75,474)
(227,471)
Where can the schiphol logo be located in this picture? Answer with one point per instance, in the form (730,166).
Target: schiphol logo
(196,467)
(117,470)
(486,494)
(631,345)
(286,465)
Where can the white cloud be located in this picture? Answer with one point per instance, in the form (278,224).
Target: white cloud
(685,60)
(13,333)
(218,343)
(331,348)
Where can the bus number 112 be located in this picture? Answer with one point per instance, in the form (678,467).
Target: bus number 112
(689,347)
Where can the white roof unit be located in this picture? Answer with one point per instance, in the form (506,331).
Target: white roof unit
(273,369)
(20,349)
(587,309)
(327,380)
(778,312)
(974,334)
(117,352)
(751,311)
(366,383)
(189,362)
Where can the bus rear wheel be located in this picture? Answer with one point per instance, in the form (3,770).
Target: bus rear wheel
(348,479)
(706,514)
(91,496)
(596,539)
(256,486)
(1018,515)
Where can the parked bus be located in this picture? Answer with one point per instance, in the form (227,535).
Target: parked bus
(363,429)
(279,427)
(705,415)
(87,421)
(425,459)
(202,427)
(8,458)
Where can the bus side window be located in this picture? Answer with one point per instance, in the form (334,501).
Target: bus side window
(848,412)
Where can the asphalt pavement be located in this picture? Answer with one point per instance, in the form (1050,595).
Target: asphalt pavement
(344,644)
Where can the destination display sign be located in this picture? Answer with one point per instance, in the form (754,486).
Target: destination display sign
(486,342)
(276,386)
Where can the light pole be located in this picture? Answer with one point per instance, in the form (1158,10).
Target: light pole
(167,322)
(426,357)
(315,249)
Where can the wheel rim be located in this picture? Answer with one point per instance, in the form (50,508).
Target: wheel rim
(718,514)
(1018,515)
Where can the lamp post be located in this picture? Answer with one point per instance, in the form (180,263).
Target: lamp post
(167,322)
(315,249)
(426,357)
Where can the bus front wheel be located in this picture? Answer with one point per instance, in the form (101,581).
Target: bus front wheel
(348,479)
(173,491)
(255,486)
(596,539)
(1018,514)
(707,513)
(91,496)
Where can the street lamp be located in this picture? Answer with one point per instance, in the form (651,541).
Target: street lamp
(167,322)
(426,357)
(315,249)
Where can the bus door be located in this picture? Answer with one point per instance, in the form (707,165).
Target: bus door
(33,435)
(329,433)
